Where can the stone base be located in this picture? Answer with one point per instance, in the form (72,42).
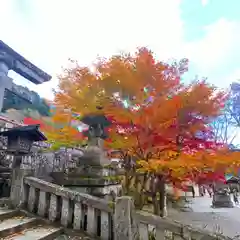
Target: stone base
(222,201)
(83,180)
(107,192)
(94,180)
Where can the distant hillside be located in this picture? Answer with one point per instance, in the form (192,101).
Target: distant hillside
(25,99)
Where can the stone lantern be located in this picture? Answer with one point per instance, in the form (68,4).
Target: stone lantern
(96,134)
(221,196)
(97,124)
(94,176)
(20,141)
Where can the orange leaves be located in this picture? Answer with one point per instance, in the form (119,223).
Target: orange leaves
(61,117)
(184,164)
(151,111)
(60,130)
(202,98)
(120,141)
(82,89)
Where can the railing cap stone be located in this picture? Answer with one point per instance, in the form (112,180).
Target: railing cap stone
(69,194)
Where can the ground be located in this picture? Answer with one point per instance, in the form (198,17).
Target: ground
(225,221)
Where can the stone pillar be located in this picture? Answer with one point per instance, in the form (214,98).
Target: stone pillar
(2,91)
(18,194)
(125,226)
(53,208)
(32,199)
(5,83)
(105,225)
(78,216)
(67,212)
(43,204)
(91,218)
(6,63)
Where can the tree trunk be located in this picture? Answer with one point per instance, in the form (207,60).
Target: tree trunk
(127,174)
(155,204)
(139,188)
(126,183)
(162,198)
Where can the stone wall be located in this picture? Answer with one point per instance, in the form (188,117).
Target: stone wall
(107,220)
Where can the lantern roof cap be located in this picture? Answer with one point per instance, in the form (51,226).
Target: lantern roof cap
(31,132)
(93,119)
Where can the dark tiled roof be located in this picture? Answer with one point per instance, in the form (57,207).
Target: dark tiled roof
(32,131)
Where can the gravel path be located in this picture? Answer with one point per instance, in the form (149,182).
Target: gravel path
(224,221)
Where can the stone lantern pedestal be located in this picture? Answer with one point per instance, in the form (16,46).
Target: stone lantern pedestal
(221,197)
(93,174)
(97,178)
(222,201)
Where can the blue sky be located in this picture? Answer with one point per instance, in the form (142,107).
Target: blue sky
(49,32)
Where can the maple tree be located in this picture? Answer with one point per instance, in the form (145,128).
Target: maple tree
(59,129)
(159,125)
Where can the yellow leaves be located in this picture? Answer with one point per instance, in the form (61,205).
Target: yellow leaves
(163,110)
(144,165)
(185,163)
(171,154)
(60,131)
(120,141)
(82,88)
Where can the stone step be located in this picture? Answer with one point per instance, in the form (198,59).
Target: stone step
(5,175)
(16,225)
(38,232)
(5,180)
(5,169)
(4,203)
(79,237)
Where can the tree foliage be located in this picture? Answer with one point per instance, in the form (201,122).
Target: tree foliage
(59,129)
(159,124)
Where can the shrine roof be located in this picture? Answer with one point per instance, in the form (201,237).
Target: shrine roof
(31,131)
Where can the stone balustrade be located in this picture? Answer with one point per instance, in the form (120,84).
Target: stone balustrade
(142,225)
(73,209)
(108,221)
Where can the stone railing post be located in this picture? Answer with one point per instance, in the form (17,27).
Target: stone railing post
(18,194)
(125,226)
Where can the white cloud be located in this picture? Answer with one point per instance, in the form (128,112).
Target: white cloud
(210,52)
(235,76)
(204,2)
(84,29)
(57,30)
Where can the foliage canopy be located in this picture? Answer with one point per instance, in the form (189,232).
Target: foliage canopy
(156,118)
